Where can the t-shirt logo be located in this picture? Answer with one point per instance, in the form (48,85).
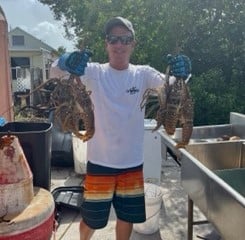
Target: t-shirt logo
(132,90)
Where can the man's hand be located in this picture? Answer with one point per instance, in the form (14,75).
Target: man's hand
(74,62)
(180,66)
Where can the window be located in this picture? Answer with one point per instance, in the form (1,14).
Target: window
(21,62)
(18,40)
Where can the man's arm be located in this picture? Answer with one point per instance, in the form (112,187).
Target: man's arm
(70,63)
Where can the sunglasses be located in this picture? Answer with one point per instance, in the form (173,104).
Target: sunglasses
(125,39)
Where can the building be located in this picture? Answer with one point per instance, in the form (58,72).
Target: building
(30,60)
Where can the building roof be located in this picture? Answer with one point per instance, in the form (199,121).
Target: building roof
(31,43)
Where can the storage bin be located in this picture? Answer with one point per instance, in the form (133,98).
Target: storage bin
(35,139)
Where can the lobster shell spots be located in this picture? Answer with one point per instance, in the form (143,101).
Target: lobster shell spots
(73,105)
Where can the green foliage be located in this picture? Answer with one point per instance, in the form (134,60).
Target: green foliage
(210,32)
(214,98)
(61,50)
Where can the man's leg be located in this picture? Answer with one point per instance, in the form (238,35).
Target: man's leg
(128,201)
(85,231)
(99,188)
(123,230)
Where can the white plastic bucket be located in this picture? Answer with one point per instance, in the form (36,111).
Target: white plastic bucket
(153,203)
(79,154)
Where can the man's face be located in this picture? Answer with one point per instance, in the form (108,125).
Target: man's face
(119,45)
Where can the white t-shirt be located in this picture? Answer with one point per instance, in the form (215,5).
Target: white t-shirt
(119,120)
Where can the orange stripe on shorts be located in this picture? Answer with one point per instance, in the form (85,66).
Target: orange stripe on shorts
(99,187)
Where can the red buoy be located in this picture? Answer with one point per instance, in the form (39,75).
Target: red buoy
(26,213)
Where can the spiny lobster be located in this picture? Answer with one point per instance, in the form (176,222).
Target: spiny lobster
(73,104)
(175,105)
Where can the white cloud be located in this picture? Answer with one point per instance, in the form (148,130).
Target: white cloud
(50,33)
(36,19)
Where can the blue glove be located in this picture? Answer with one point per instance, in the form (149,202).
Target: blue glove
(180,65)
(2,121)
(75,62)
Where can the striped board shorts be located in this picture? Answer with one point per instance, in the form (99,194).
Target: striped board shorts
(122,188)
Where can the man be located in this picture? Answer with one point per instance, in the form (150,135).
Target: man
(115,153)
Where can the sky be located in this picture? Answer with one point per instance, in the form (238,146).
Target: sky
(36,19)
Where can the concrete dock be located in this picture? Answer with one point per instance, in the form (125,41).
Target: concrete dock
(173,213)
